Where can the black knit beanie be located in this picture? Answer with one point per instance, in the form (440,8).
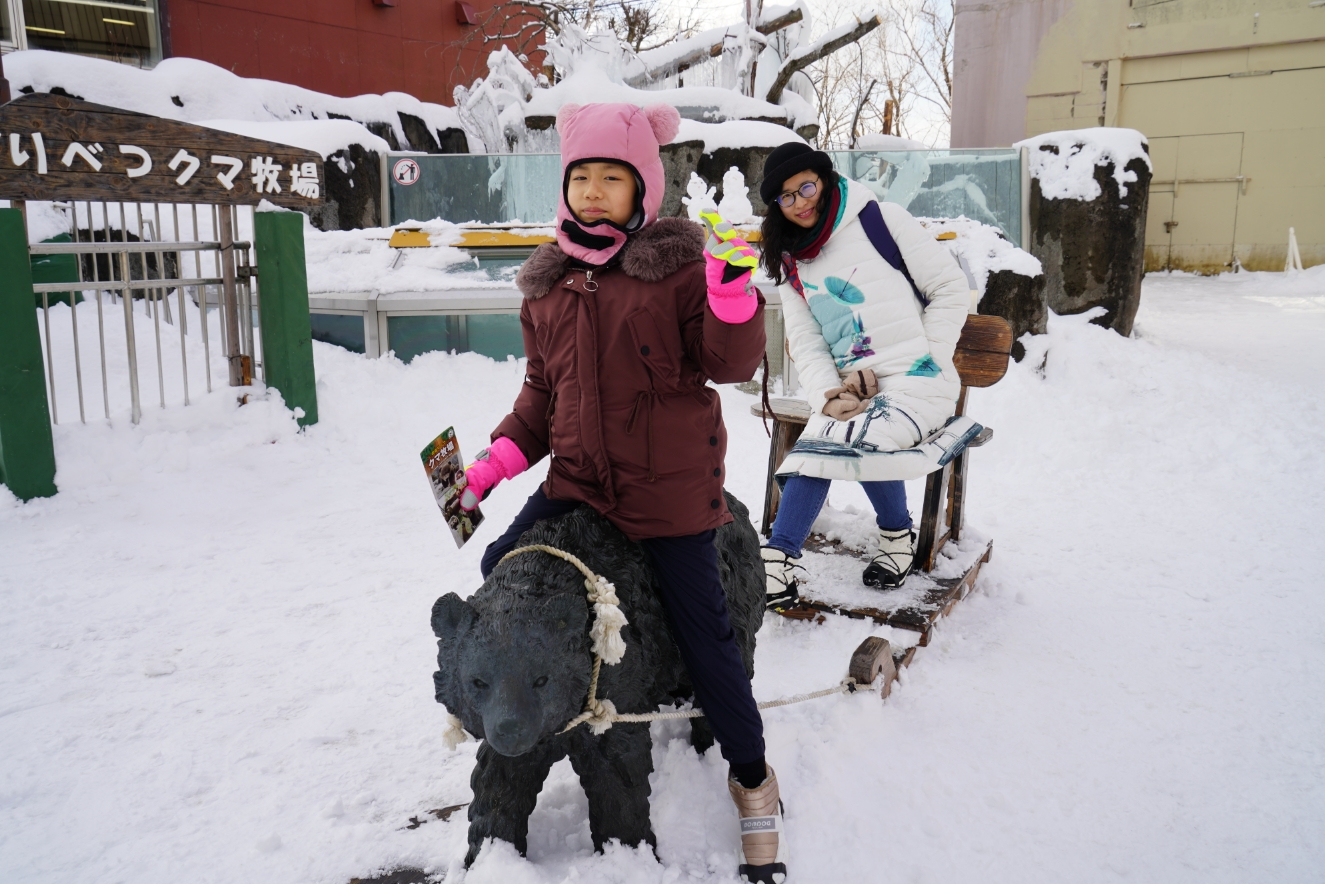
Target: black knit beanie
(787,160)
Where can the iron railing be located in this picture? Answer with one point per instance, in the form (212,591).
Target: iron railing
(128,259)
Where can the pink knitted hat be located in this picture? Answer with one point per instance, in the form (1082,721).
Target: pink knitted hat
(612,133)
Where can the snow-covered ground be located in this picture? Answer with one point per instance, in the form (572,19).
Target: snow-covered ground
(215,656)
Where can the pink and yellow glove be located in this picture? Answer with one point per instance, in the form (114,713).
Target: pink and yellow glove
(500,460)
(729,265)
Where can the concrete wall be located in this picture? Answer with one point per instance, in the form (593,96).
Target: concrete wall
(1231,94)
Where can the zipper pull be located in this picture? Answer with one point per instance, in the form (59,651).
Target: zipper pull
(589,284)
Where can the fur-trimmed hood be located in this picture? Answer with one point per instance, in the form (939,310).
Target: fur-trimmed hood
(652,255)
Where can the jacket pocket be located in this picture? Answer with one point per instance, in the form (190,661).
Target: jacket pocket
(663,365)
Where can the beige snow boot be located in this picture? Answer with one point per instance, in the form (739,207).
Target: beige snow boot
(780,579)
(763,856)
(893,559)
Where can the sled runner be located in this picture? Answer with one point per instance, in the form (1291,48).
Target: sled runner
(981,359)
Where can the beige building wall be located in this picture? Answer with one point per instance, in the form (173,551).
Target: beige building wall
(1231,94)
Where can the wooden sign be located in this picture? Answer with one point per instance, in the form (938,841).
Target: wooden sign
(53,147)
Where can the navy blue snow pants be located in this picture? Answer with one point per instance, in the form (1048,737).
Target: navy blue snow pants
(696,608)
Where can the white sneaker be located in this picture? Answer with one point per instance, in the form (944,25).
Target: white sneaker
(780,579)
(893,560)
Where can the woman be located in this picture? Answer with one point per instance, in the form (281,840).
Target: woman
(873,347)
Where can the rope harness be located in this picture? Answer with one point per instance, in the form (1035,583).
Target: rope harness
(609,647)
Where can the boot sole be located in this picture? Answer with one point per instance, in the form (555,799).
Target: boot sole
(876,577)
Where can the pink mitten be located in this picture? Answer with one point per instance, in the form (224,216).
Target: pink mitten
(503,459)
(729,263)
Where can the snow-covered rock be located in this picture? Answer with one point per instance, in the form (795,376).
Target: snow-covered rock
(1089,193)
(1064,162)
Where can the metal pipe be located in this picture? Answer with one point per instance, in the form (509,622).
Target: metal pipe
(229,298)
(101,337)
(50,363)
(202,308)
(78,357)
(216,258)
(135,284)
(183,317)
(156,323)
(101,320)
(82,248)
(136,412)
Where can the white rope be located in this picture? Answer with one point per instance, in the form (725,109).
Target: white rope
(609,647)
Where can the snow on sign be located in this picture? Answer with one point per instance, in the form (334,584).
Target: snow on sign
(53,147)
(405,172)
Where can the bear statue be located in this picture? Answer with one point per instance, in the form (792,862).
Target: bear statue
(515,659)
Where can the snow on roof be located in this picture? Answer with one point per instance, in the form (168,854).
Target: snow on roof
(195,91)
(1064,162)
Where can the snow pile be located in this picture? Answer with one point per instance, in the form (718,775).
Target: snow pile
(322,136)
(216,660)
(362,261)
(875,141)
(198,92)
(983,248)
(735,133)
(1064,162)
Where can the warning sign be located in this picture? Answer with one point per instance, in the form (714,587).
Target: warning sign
(405,172)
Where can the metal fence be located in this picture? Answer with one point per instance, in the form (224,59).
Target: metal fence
(120,255)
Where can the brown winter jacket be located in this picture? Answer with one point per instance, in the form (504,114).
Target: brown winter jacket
(615,387)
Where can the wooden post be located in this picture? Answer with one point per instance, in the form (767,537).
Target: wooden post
(230,298)
(287,338)
(27,450)
(4,84)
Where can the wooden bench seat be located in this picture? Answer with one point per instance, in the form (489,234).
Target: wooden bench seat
(981,360)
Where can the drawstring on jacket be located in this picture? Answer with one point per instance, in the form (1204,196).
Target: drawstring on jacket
(645,397)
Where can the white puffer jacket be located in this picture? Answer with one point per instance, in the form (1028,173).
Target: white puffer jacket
(858,312)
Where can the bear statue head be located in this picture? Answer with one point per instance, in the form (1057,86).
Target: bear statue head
(516,674)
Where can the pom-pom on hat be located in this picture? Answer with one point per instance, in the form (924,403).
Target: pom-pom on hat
(612,133)
(787,160)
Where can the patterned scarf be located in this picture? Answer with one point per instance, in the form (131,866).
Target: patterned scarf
(815,238)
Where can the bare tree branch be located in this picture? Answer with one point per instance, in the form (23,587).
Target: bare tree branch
(802,59)
(707,49)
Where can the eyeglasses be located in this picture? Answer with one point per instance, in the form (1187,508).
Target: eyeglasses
(807,190)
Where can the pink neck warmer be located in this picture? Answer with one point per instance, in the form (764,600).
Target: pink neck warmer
(612,133)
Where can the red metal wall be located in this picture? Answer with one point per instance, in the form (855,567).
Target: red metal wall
(342,47)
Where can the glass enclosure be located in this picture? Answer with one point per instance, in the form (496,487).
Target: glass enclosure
(126,31)
(6,28)
(984,185)
(487,188)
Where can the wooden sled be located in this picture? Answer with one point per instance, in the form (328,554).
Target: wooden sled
(982,360)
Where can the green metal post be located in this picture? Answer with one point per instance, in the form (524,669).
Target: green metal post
(287,337)
(27,451)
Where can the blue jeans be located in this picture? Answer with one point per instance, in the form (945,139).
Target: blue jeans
(804,496)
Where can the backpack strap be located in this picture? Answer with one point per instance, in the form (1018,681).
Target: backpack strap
(871,218)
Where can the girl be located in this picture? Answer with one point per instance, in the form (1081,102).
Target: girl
(873,346)
(626,318)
